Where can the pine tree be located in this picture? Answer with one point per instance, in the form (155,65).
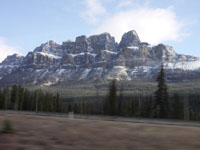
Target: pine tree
(161,96)
(14,95)
(40,102)
(112,98)
(27,97)
(19,100)
(58,103)
(119,102)
(177,107)
(5,96)
(1,100)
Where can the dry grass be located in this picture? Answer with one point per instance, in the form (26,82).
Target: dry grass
(51,133)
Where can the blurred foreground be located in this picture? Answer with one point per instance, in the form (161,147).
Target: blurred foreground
(42,132)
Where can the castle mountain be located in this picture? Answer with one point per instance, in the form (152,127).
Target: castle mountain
(97,58)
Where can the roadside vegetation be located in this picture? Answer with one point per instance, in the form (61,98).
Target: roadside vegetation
(7,127)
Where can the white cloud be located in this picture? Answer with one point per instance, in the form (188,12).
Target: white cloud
(6,50)
(152,25)
(124,3)
(94,10)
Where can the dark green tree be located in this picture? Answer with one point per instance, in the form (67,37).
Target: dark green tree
(21,97)
(161,107)
(1,100)
(14,95)
(119,102)
(177,107)
(58,103)
(18,97)
(27,96)
(5,98)
(112,97)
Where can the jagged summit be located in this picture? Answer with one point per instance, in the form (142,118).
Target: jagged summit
(13,59)
(130,39)
(97,57)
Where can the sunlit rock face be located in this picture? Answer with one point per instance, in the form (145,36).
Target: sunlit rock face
(97,58)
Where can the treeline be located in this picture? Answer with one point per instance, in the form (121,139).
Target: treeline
(180,106)
(19,98)
(158,105)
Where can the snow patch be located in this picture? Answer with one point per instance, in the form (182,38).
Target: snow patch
(118,73)
(107,51)
(85,73)
(49,55)
(187,65)
(99,68)
(79,54)
(49,83)
(8,66)
(35,81)
(93,54)
(141,69)
(74,55)
(60,71)
(133,47)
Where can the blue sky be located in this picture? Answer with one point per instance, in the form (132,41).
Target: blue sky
(25,24)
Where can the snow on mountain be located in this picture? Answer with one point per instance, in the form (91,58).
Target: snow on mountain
(85,74)
(187,65)
(49,55)
(97,57)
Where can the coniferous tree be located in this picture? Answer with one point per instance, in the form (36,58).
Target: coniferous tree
(177,107)
(26,100)
(41,101)
(112,98)
(19,100)
(1,100)
(58,103)
(161,96)
(5,97)
(14,95)
(119,102)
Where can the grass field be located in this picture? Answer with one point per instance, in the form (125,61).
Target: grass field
(42,133)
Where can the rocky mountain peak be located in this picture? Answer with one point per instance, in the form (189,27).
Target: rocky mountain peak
(97,57)
(103,36)
(81,39)
(51,42)
(48,47)
(164,52)
(11,63)
(81,44)
(130,39)
(17,55)
(13,59)
(103,41)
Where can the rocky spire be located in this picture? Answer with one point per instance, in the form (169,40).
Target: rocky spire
(130,39)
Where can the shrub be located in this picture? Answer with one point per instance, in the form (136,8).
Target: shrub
(7,127)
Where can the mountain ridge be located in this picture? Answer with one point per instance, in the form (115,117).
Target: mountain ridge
(96,58)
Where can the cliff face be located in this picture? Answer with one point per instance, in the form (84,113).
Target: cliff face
(97,57)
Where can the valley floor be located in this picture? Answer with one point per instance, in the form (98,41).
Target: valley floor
(47,132)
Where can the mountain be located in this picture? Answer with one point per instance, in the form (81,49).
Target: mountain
(97,58)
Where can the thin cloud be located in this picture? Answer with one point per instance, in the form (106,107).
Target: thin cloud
(6,49)
(94,10)
(124,3)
